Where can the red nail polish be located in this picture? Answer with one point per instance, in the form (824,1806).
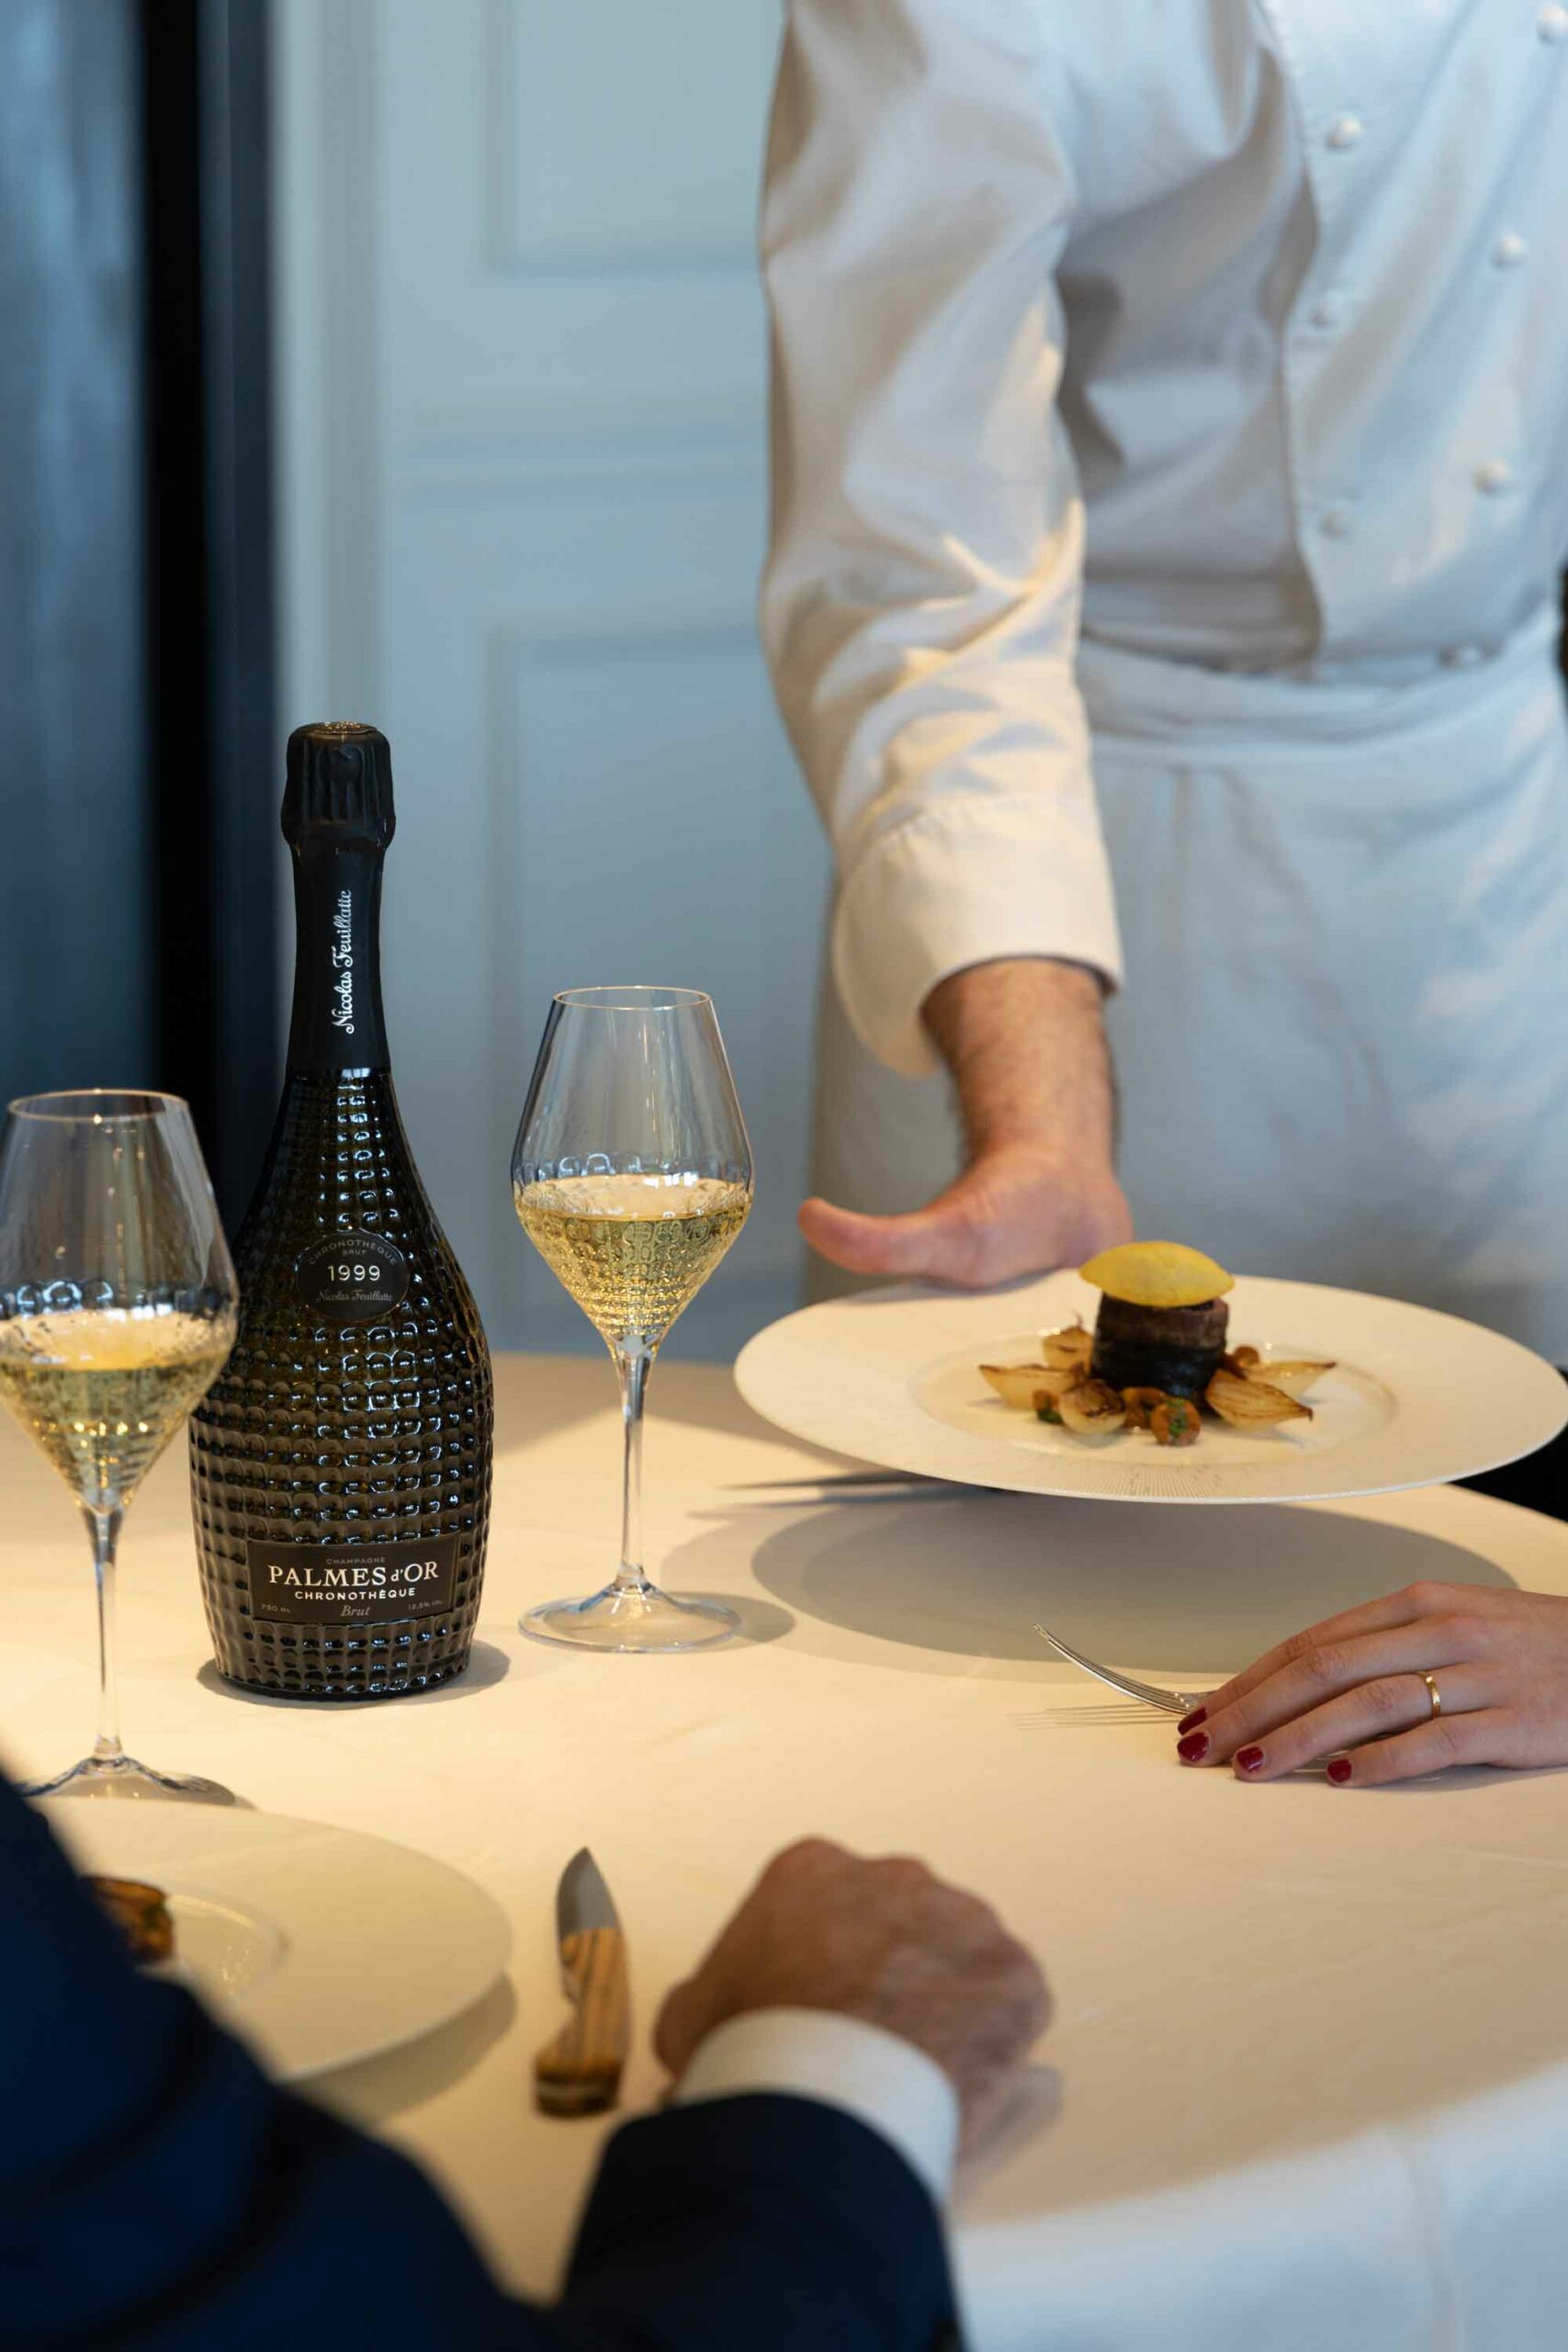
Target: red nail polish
(1191,1722)
(1249,1759)
(1339,1770)
(1194,1747)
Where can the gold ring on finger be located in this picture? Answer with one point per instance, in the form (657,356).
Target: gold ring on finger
(1433,1693)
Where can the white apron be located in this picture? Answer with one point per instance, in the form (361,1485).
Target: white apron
(1343,1041)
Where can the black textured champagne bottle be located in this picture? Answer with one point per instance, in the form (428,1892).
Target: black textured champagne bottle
(340,1468)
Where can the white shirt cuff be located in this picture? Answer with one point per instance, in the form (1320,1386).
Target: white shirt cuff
(877,2077)
(961,885)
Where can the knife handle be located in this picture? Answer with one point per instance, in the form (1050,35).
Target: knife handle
(578,2072)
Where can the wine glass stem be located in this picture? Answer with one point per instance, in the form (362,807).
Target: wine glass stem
(104,1522)
(633,1365)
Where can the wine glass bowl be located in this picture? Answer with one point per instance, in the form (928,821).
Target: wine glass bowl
(632,1177)
(632,1244)
(118,1310)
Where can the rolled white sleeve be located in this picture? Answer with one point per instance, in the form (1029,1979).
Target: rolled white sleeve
(815,2053)
(920,602)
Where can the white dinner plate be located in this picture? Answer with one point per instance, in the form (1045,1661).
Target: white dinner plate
(1416,1398)
(319,1946)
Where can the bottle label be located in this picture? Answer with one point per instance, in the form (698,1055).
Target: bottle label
(337,1022)
(351,1584)
(351,1277)
(340,956)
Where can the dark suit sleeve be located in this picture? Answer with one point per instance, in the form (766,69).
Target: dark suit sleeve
(158,2194)
(774,2223)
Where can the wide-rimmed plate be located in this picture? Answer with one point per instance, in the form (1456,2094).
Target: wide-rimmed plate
(1416,1398)
(317,1945)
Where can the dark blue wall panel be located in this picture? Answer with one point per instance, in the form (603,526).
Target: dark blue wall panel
(76,987)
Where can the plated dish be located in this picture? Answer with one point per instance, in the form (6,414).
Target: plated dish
(141,1914)
(1414,1397)
(319,1946)
(1159,1357)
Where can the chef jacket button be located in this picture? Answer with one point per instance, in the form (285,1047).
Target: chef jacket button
(1494,477)
(1326,314)
(1463,657)
(1345,130)
(1509,250)
(1553,22)
(1337,522)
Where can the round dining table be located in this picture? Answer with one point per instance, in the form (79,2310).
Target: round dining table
(1306,2082)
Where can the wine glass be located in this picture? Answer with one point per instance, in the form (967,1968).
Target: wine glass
(117,1311)
(632,1176)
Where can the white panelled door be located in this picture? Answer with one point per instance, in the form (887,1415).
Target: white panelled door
(521,359)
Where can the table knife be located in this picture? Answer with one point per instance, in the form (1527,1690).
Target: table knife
(578,2072)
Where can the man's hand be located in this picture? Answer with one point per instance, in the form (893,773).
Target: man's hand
(1015,1210)
(882,1940)
(1026,1046)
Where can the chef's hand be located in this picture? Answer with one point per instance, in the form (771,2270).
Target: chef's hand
(1025,1041)
(883,1941)
(1348,1693)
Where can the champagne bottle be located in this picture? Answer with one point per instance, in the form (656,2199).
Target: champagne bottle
(340,1466)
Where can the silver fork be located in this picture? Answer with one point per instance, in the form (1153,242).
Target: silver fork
(1149,1694)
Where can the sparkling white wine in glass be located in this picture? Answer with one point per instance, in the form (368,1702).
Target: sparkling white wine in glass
(633,1251)
(632,1177)
(117,1313)
(102,1390)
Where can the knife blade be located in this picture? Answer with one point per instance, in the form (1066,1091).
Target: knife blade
(578,2071)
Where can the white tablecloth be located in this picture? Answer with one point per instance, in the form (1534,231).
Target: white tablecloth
(1307,2085)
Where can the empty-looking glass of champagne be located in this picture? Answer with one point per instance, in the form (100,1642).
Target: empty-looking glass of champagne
(117,1312)
(632,1176)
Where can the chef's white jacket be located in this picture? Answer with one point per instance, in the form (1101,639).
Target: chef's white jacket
(1170,437)
(1232,333)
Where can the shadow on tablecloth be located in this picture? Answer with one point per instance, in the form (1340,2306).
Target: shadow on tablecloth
(376,2089)
(487,1666)
(1186,1592)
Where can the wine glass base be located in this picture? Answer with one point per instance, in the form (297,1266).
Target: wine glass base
(638,1618)
(121,1779)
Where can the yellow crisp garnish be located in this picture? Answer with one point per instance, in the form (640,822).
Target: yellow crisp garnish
(1158,1273)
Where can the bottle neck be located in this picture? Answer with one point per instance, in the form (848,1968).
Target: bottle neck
(338,1023)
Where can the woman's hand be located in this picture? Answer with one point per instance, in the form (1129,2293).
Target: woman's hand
(1349,1694)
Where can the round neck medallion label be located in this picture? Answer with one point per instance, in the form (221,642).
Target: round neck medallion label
(351,1277)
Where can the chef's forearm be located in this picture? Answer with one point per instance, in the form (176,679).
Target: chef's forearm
(1025,1042)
